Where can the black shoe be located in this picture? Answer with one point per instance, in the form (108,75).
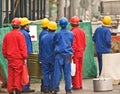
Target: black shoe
(41,90)
(46,91)
(17,91)
(11,93)
(4,85)
(53,92)
(28,90)
(69,92)
(76,88)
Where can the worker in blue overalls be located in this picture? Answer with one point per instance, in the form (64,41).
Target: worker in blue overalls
(63,54)
(47,57)
(102,40)
(25,30)
(44,24)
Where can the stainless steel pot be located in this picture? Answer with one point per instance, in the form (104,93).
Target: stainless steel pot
(102,84)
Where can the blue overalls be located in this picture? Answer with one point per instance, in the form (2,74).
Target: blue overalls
(43,32)
(102,39)
(29,50)
(47,58)
(63,50)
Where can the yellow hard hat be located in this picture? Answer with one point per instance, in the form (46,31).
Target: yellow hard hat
(106,20)
(52,25)
(24,21)
(44,22)
(20,20)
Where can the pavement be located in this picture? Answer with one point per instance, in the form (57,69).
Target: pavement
(87,88)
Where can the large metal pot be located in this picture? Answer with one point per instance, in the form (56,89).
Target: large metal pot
(102,84)
(34,67)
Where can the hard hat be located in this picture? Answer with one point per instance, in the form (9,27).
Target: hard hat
(52,25)
(25,21)
(44,22)
(74,20)
(16,21)
(106,20)
(20,20)
(63,22)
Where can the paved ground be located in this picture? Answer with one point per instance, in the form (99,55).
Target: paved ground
(87,88)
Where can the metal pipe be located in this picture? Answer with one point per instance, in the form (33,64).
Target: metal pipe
(25,8)
(17,8)
(0,13)
(7,12)
(12,10)
(44,8)
(33,13)
(30,10)
(21,8)
(40,9)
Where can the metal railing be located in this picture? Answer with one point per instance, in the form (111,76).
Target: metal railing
(33,9)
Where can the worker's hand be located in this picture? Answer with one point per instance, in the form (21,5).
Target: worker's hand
(69,58)
(25,61)
(40,62)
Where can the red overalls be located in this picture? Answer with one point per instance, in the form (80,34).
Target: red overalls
(78,46)
(15,51)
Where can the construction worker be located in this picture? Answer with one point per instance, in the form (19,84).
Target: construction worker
(25,30)
(47,57)
(78,46)
(102,40)
(63,54)
(14,49)
(44,25)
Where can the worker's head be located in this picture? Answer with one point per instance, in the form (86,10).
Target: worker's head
(25,22)
(16,23)
(74,21)
(63,22)
(106,20)
(52,26)
(44,23)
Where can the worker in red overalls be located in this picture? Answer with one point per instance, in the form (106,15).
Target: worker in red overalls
(15,51)
(79,44)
